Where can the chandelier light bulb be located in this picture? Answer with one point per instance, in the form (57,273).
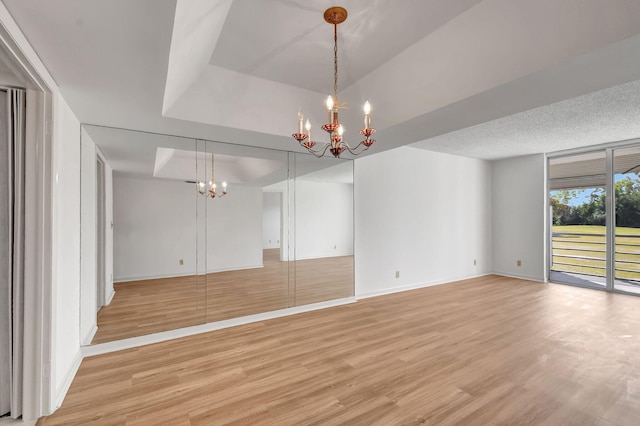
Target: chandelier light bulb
(224,186)
(307,125)
(330,108)
(329,103)
(367,116)
(340,130)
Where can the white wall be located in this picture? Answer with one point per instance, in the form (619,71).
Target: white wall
(519,217)
(424,214)
(88,216)
(271,219)
(8,79)
(155,226)
(323,219)
(66,248)
(234,230)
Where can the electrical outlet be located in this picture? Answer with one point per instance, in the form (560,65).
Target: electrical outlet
(475,262)
(334,246)
(397,274)
(181,261)
(519,262)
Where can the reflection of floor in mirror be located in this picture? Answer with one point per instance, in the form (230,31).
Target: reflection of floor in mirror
(151,306)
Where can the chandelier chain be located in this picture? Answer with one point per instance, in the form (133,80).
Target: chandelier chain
(335,63)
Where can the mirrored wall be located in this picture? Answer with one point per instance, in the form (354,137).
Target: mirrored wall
(159,252)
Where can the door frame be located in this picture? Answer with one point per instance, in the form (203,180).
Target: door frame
(39,184)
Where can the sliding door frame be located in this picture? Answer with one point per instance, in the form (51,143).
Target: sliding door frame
(610,221)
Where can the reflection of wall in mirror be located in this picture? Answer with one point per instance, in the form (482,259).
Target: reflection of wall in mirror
(324,219)
(156,225)
(88,237)
(271,219)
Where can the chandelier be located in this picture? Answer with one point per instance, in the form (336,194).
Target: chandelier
(209,189)
(336,145)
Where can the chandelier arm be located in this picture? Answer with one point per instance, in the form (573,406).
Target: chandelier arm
(319,152)
(310,148)
(354,149)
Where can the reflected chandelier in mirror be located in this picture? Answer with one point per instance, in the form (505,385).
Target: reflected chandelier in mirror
(209,189)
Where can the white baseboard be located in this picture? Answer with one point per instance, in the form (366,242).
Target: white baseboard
(391,290)
(6,421)
(148,339)
(324,256)
(239,268)
(110,297)
(521,277)
(90,335)
(68,379)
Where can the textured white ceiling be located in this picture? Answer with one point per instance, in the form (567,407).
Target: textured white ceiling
(605,116)
(238,70)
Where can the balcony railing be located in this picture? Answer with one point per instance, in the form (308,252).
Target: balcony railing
(585,253)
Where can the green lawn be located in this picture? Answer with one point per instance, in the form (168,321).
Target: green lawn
(585,244)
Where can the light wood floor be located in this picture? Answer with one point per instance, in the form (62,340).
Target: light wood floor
(491,350)
(150,306)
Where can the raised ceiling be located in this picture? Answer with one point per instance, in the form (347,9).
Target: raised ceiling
(293,35)
(237,71)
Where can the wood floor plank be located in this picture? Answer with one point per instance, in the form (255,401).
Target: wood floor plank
(491,350)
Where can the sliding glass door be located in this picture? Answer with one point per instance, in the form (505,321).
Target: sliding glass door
(626,165)
(594,208)
(577,195)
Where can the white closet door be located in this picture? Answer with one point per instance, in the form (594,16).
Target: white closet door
(5,260)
